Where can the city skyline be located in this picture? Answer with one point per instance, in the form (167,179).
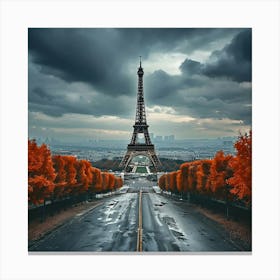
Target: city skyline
(83,82)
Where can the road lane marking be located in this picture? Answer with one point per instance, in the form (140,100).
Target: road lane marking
(140,230)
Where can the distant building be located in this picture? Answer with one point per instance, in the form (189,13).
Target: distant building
(169,138)
(172,137)
(158,138)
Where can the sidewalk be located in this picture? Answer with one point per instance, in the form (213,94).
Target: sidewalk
(37,229)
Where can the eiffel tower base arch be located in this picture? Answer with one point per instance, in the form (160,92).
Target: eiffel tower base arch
(140,149)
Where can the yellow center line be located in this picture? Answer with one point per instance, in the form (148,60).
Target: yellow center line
(140,230)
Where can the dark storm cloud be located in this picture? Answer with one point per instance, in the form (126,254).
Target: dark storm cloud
(55,97)
(234,60)
(201,97)
(191,67)
(88,71)
(161,85)
(59,105)
(74,55)
(195,93)
(186,40)
(39,95)
(100,56)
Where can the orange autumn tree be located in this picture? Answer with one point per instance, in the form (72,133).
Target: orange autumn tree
(179,181)
(47,168)
(184,176)
(225,177)
(167,182)
(192,177)
(202,173)
(105,181)
(41,173)
(96,184)
(60,180)
(172,181)
(241,181)
(220,171)
(63,176)
(199,176)
(71,174)
(111,183)
(118,182)
(161,182)
(35,159)
(84,175)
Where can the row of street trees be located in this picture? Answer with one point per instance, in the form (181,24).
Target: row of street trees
(225,177)
(56,177)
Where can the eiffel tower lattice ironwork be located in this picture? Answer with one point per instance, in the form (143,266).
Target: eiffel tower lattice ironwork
(136,148)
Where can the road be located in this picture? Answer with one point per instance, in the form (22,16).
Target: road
(113,226)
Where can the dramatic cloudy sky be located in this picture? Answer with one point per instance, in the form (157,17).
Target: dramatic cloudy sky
(83,82)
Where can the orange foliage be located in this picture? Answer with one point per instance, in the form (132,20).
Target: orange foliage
(71,172)
(220,171)
(39,189)
(41,173)
(202,173)
(118,182)
(46,168)
(241,181)
(59,166)
(111,183)
(35,159)
(84,175)
(185,174)
(199,176)
(179,180)
(172,181)
(105,180)
(161,182)
(167,182)
(60,180)
(224,177)
(192,178)
(57,176)
(96,179)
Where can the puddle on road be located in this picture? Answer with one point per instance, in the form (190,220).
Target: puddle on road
(171,223)
(113,203)
(109,212)
(160,204)
(178,234)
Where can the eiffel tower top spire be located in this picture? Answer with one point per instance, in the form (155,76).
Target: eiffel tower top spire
(140,70)
(140,118)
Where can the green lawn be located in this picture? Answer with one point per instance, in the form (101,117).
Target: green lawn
(141,169)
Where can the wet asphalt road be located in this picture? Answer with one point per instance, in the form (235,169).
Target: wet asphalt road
(112,226)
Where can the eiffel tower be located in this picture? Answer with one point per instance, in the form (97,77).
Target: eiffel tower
(135,147)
